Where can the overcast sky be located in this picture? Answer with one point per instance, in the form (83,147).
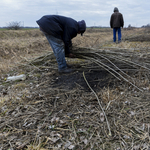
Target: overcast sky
(94,12)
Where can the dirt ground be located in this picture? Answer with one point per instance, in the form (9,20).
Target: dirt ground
(88,109)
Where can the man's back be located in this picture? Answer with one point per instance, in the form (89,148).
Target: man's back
(116,20)
(58,25)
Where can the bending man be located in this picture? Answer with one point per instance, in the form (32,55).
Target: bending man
(59,30)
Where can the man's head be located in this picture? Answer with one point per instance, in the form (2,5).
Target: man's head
(116,9)
(82,26)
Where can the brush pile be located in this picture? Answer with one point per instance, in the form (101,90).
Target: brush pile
(117,62)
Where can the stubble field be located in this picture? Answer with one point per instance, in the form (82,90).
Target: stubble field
(104,104)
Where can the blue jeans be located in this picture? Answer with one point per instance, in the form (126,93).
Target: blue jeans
(58,48)
(119,34)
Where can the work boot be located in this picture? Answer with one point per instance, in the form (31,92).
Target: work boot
(119,41)
(69,66)
(65,70)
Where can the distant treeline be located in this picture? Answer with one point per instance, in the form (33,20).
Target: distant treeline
(21,27)
(146,26)
(129,26)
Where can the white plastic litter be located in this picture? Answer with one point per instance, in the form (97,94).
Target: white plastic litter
(15,78)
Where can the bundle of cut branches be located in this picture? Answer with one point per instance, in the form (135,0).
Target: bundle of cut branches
(116,61)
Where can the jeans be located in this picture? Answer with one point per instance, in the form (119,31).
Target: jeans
(58,48)
(119,34)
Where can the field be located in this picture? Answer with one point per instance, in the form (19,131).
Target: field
(103,105)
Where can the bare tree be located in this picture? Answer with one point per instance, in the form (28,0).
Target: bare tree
(14,25)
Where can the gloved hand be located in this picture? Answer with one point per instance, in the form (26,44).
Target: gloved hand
(70,55)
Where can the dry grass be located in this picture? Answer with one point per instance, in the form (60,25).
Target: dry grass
(52,111)
(18,45)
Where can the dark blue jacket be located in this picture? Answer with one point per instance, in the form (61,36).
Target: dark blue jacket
(60,27)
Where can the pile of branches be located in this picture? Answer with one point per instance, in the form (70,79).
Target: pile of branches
(140,38)
(117,62)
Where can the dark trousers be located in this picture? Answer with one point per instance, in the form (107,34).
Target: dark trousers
(114,34)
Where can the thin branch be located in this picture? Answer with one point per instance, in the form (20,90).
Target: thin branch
(99,104)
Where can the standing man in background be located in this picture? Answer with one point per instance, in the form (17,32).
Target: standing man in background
(116,22)
(59,31)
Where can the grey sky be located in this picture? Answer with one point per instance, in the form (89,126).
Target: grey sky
(94,12)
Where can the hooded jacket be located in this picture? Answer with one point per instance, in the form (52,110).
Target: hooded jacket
(116,19)
(60,27)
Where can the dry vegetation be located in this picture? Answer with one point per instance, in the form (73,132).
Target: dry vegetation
(104,104)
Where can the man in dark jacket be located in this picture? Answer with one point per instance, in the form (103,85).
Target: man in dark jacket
(59,31)
(116,22)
